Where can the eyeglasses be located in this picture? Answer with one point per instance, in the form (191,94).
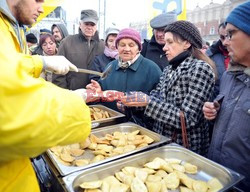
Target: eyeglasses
(230,33)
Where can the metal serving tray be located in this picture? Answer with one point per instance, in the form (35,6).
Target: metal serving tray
(124,127)
(206,168)
(115,115)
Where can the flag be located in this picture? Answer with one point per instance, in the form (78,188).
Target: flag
(161,6)
(48,7)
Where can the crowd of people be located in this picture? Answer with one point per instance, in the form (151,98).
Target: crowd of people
(158,83)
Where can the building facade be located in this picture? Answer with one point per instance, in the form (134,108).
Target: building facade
(208,18)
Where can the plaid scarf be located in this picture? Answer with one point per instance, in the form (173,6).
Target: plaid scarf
(126,64)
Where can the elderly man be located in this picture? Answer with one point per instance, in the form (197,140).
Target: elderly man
(59,31)
(153,48)
(230,144)
(80,49)
(35,114)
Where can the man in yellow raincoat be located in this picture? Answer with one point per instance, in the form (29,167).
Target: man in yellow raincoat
(34,114)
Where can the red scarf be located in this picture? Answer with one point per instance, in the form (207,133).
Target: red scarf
(226,57)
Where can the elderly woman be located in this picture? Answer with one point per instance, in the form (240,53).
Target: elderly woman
(184,86)
(110,53)
(131,72)
(48,44)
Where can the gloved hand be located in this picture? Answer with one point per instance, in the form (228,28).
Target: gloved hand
(58,64)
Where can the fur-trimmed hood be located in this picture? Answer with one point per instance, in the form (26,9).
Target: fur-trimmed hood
(235,67)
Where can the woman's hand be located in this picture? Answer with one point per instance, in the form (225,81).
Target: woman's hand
(210,110)
(135,99)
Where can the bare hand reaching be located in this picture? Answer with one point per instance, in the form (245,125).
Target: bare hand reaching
(95,86)
(210,109)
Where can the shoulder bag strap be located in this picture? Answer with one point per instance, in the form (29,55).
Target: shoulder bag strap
(184,130)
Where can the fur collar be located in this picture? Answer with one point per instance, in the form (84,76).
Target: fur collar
(237,67)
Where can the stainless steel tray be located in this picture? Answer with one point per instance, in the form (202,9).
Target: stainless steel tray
(124,127)
(115,115)
(207,168)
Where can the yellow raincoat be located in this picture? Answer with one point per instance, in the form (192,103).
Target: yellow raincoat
(34,114)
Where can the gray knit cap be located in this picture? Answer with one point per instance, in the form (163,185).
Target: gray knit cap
(187,30)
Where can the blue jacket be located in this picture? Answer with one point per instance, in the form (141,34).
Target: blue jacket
(142,76)
(230,144)
(218,58)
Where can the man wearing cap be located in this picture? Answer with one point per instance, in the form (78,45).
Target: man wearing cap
(110,52)
(59,31)
(152,49)
(230,144)
(80,49)
(44,31)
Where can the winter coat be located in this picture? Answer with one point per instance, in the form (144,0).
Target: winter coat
(33,114)
(218,58)
(99,64)
(76,49)
(153,51)
(185,88)
(143,75)
(230,144)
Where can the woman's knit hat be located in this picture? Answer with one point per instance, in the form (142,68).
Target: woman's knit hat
(188,31)
(111,31)
(131,34)
(240,17)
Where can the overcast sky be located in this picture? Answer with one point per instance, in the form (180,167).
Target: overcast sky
(122,12)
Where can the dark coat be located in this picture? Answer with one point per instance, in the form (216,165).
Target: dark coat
(76,49)
(153,51)
(230,144)
(37,51)
(99,64)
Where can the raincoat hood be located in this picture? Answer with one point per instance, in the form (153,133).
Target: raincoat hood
(4,9)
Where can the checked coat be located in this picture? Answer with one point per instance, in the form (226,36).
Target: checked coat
(185,88)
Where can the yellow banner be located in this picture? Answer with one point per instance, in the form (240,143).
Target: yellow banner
(162,6)
(48,7)
(183,14)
